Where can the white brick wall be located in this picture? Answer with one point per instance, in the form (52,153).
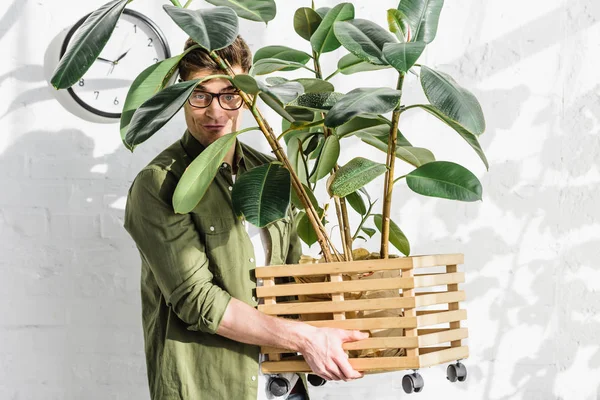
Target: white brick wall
(69,274)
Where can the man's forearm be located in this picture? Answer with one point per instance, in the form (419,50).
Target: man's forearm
(244,323)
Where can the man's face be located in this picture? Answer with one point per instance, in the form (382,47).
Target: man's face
(210,123)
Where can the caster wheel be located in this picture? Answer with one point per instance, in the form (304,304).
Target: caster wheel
(279,386)
(315,380)
(456,372)
(412,383)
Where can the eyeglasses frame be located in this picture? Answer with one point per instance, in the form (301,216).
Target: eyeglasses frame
(212,97)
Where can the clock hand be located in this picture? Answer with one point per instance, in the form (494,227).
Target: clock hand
(105,60)
(121,56)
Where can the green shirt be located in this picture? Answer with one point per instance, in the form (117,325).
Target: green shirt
(192,264)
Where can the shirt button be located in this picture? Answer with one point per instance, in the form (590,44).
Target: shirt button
(251,259)
(224,165)
(212,228)
(253,378)
(253,298)
(230,188)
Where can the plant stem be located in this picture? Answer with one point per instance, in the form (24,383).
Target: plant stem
(176,3)
(266,129)
(364,219)
(187,4)
(389,175)
(337,71)
(340,203)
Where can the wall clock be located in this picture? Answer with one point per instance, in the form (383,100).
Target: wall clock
(135,44)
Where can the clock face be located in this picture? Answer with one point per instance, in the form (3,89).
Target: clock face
(134,45)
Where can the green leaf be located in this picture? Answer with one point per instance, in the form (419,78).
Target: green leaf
(452,100)
(313,85)
(317,101)
(446,180)
(212,28)
(246,83)
(262,195)
(296,200)
(378,127)
(293,152)
(200,173)
(282,53)
(152,80)
(350,64)
(364,39)
(403,56)
(416,156)
(305,230)
(368,231)
(398,24)
(253,10)
(354,175)
(306,22)
(155,112)
(423,17)
(269,65)
(87,44)
(276,106)
(464,133)
(362,101)
(327,159)
(397,237)
(324,40)
(322,11)
(284,93)
(357,203)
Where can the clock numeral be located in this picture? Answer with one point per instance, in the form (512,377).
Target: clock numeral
(135,29)
(150,42)
(116,102)
(97,93)
(82,82)
(155,60)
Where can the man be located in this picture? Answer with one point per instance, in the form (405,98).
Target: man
(202,331)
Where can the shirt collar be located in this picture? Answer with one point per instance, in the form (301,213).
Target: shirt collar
(193,148)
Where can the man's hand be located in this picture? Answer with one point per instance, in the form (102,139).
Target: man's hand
(325,356)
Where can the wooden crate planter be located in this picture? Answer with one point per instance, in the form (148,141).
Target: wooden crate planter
(429,336)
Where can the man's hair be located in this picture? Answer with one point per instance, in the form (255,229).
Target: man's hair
(237,53)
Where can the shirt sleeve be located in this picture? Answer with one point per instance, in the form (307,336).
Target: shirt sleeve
(171,246)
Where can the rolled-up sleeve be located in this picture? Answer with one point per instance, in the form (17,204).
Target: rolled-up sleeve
(172,248)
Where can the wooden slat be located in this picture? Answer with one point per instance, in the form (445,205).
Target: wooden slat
(337,297)
(454,305)
(337,306)
(294,289)
(441,317)
(432,298)
(365,324)
(438,279)
(347,267)
(371,343)
(410,312)
(443,337)
(270,282)
(359,364)
(443,356)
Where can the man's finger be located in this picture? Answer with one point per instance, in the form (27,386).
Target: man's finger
(348,371)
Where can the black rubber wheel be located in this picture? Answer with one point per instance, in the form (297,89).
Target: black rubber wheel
(315,380)
(456,372)
(412,383)
(461,372)
(451,373)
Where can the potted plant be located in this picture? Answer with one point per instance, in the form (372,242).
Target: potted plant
(315,120)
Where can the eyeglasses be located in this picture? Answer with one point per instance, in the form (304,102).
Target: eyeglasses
(227,101)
